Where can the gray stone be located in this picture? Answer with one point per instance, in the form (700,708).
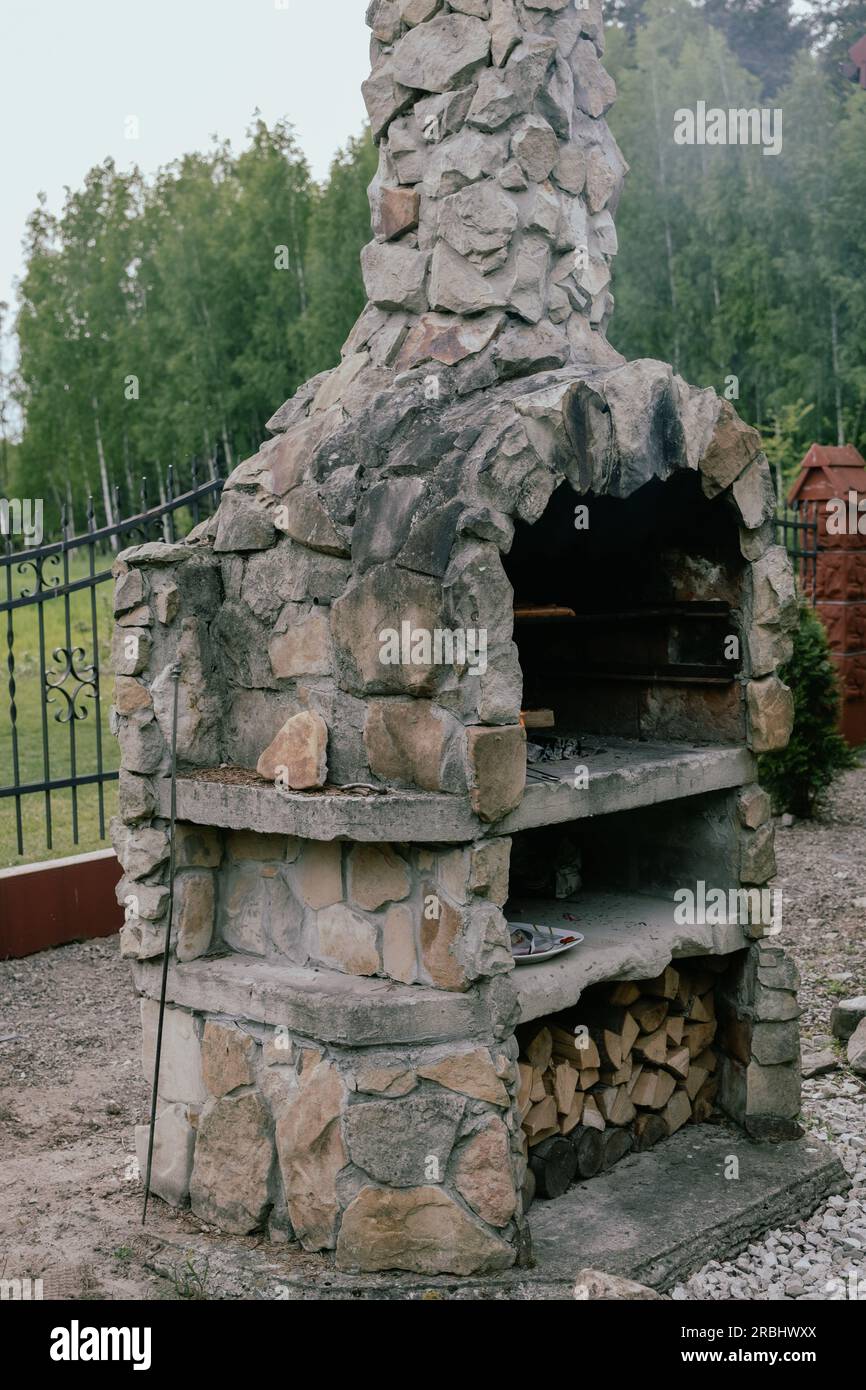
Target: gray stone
(384,516)
(421,1229)
(846,1015)
(461,159)
(505,31)
(442,54)
(173,1148)
(404,1143)
(856,1050)
(494,103)
(594,89)
(245,522)
(819,1063)
(535,147)
(394,276)
(180,1073)
(303,517)
(384,98)
(527,67)
(458,287)
(479,222)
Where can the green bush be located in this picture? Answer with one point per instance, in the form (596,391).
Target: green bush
(798,776)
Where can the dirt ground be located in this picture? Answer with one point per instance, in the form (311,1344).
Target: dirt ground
(71,1093)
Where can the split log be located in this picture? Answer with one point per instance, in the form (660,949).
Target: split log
(587,1078)
(695,1080)
(635,1077)
(621,1076)
(648,1129)
(539,1051)
(554,1163)
(649,1014)
(677,1112)
(697,1036)
(537,1091)
(678,1062)
(615,1105)
(674,1024)
(568,1122)
(592,1117)
(613,1029)
(624,993)
(698,1012)
(564,1086)
(524,1099)
(565,1049)
(708,1059)
(704,1102)
(654,1089)
(541,1116)
(653,1047)
(617,1143)
(589,1147)
(664,986)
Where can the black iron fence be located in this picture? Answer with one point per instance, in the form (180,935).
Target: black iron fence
(797,531)
(55,605)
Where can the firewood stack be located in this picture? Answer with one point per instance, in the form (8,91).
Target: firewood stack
(629,1065)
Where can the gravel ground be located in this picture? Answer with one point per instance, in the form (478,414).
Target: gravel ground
(71,1094)
(822,875)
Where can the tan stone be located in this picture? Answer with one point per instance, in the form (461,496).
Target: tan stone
(347,941)
(484,1177)
(757,854)
(489,873)
(470,1073)
(753,806)
(732,448)
(244,845)
(386,1081)
(297,757)
(452,872)
(420,1229)
(438,937)
(311,1153)
(771,714)
(194,905)
(404,743)
(377,875)
(180,1073)
(227,1058)
(233,1155)
(596,1286)
(320,873)
(303,650)
(399,954)
(497,759)
(197,846)
(130,695)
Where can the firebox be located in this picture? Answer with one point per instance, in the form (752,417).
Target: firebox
(354,1049)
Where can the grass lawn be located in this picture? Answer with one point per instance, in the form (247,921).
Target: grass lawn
(30,723)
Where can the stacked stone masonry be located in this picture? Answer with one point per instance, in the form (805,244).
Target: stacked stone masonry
(477,382)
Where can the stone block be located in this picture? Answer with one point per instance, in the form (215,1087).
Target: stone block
(130,650)
(131,695)
(734,445)
(775,1043)
(194,909)
(405,741)
(441,931)
(197,846)
(443,54)
(420,1229)
(773,1090)
(404,1142)
(395,212)
(173,1148)
(846,1015)
(228,1056)
(297,757)
(483,1174)
(395,276)
(497,762)
(319,874)
(757,854)
(469,1073)
(180,1074)
(488,875)
(347,941)
(377,875)
(856,1049)
(399,952)
(234,1152)
(129,591)
(386,1081)
(311,1153)
(753,806)
(771,714)
(304,647)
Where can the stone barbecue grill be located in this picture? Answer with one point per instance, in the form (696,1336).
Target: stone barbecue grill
(482,512)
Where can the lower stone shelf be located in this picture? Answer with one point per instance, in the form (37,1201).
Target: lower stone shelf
(628,936)
(622,775)
(325,1005)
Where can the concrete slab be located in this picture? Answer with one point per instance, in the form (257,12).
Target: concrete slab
(628,936)
(659,1216)
(623,775)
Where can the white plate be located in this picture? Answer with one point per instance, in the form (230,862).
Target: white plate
(547,938)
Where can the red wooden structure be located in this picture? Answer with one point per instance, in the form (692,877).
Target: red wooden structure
(835,478)
(857,54)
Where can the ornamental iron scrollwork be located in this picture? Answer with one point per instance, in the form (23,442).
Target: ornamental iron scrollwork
(85,684)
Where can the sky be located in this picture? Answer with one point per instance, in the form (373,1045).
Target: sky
(73,73)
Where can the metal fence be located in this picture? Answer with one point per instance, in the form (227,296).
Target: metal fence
(797,531)
(61,681)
